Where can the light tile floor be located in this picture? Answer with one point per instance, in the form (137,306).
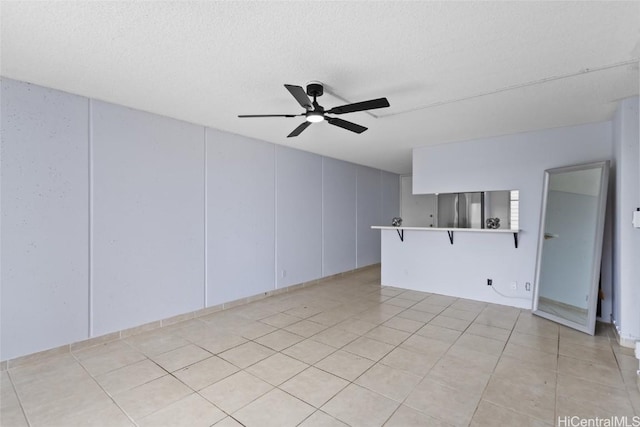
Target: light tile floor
(345,352)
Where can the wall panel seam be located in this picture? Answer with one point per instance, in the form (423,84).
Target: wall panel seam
(357,222)
(322,214)
(90,214)
(275,217)
(205,213)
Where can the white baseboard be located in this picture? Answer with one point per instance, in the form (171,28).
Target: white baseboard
(624,341)
(92,341)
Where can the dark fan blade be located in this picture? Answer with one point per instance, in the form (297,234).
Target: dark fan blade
(270,115)
(297,131)
(360,106)
(300,95)
(346,125)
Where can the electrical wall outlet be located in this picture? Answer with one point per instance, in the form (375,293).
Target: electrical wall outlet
(527,287)
(514,285)
(636,218)
(489,282)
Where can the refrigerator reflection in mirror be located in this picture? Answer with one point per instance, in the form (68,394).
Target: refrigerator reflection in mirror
(483,209)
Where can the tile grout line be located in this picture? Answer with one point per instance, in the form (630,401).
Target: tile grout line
(482,394)
(406,339)
(353,382)
(126,414)
(316,409)
(15,391)
(517,411)
(431,368)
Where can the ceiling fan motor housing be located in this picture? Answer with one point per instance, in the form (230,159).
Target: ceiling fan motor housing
(315,89)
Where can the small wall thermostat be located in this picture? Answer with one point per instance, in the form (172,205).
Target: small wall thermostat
(636,218)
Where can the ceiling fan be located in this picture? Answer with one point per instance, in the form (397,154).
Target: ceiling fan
(315,113)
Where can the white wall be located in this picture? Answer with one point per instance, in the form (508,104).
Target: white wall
(463,268)
(626,271)
(181,217)
(45,230)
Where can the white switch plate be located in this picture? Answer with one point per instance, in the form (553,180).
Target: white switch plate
(636,219)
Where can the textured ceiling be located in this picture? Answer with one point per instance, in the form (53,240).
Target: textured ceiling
(451,70)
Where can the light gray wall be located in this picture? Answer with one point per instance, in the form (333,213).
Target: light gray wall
(147,187)
(240,217)
(390,197)
(463,268)
(298,216)
(426,261)
(626,270)
(369,203)
(338,216)
(45,229)
(416,210)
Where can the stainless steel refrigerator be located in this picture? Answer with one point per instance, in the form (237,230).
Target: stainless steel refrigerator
(461,210)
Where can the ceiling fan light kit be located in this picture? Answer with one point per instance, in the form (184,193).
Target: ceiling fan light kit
(315,113)
(314,117)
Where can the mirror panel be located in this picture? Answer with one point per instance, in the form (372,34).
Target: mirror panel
(459,210)
(570,245)
(483,209)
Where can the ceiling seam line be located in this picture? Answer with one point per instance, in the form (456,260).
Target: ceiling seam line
(517,86)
